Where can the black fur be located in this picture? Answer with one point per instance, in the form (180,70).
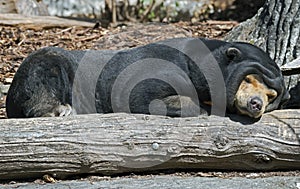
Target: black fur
(45,79)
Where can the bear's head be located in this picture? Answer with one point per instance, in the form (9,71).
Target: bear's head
(254,82)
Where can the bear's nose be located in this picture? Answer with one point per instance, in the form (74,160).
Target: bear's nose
(255,104)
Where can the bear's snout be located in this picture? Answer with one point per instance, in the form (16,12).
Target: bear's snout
(255,104)
(253,96)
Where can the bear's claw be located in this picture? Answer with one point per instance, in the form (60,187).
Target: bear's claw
(60,111)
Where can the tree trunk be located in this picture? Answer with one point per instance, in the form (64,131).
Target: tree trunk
(275,28)
(121,143)
(110,9)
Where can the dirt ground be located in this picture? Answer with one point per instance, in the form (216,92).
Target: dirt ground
(226,177)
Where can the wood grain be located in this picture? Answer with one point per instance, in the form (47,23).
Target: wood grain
(122,143)
(33,22)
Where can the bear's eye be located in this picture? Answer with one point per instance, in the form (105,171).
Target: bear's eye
(272,95)
(247,80)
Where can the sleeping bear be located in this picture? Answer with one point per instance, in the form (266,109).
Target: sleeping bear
(175,77)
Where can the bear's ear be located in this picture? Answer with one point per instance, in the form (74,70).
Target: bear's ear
(233,52)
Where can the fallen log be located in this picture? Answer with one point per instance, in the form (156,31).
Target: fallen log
(291,68)
(109,144)
(37,22)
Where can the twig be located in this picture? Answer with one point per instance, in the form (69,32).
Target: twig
(65,30)
(89,38)
(135,40)
(114,11)
(127,16)
(147,11)
(24,38)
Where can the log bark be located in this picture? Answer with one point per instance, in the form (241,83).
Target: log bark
(275,28)
(111,144)
(33,22)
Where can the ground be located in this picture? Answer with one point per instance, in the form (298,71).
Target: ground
(172,180)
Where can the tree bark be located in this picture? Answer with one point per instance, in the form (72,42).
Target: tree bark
(110,144)
(275,28)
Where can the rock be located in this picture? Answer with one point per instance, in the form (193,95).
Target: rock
(31,8)
(7,6)
(24,7)
(3,89)
(8,80)
(184,9)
